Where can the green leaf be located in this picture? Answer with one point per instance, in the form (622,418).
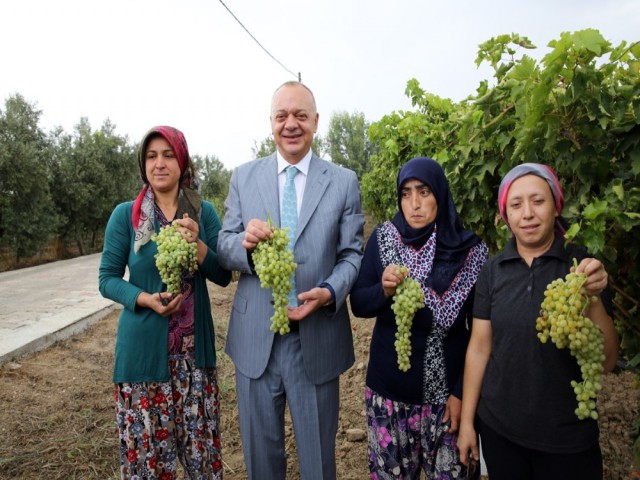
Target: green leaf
(503,140)
(603,121)
(595,209)
(618,189)
(487,167)
(635,161)
(590,39)
(635,361)
(617,52)
(477,116)
(572,232)
(502,70)
(524,70)
(594,239)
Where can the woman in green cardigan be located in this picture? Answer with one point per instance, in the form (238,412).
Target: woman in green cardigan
(165,376)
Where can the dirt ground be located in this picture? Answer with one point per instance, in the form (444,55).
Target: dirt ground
(57,419)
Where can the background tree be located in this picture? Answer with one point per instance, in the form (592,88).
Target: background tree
(319,145)
(347,143)
(214,180)
(263,148)
(93,172)
(27,215)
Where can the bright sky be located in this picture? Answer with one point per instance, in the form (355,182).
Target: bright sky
(189,64)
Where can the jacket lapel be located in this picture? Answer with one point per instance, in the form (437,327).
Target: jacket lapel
(267,183)
(317,183)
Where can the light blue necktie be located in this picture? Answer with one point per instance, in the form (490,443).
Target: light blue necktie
(289,218)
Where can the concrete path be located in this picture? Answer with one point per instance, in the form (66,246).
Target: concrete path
(41,305)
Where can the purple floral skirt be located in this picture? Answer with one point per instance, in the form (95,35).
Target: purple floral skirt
(405,439)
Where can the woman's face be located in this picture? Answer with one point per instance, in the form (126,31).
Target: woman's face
(161,165)
(531,212)
(418,204)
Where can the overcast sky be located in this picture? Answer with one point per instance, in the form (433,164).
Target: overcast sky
(189,64)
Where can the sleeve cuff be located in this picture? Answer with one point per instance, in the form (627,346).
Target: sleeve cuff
(252,266)
(331,290)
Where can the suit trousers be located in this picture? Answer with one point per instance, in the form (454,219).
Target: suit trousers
(314,411)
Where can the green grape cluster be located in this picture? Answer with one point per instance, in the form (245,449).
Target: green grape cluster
(408,299)
(175,255)
(562,320)
(274,265)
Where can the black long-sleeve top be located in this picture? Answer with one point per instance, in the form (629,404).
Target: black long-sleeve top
(383,374)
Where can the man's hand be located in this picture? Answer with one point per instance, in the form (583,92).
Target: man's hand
(311,301)
(256,232)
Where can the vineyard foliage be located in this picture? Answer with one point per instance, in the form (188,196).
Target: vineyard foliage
(577,110)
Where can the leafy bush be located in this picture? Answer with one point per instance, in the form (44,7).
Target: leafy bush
(577,110)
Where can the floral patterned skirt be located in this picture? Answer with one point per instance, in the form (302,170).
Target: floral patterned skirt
(161,423)
(405,439)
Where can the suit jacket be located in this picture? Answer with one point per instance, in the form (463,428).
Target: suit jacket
(328,248)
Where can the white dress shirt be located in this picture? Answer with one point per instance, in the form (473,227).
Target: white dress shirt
(300,179)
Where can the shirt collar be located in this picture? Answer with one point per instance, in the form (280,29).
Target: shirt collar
(557,250)
(302,165)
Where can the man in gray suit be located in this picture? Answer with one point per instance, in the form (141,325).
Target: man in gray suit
(301,368)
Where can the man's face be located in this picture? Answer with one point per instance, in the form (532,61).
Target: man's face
(294,121)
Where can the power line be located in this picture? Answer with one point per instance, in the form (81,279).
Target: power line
(256,40)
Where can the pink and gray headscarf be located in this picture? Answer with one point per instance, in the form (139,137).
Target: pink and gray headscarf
(189,200)
(543,171)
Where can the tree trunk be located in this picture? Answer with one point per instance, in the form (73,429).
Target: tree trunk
(79,243)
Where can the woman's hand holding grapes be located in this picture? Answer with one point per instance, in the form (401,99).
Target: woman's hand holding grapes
(392,276)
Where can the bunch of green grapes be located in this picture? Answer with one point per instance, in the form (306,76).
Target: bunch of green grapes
(175,255)
(562,320)
(408,299)
(274,265)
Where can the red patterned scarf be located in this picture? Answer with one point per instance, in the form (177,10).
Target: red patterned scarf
(189,201)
